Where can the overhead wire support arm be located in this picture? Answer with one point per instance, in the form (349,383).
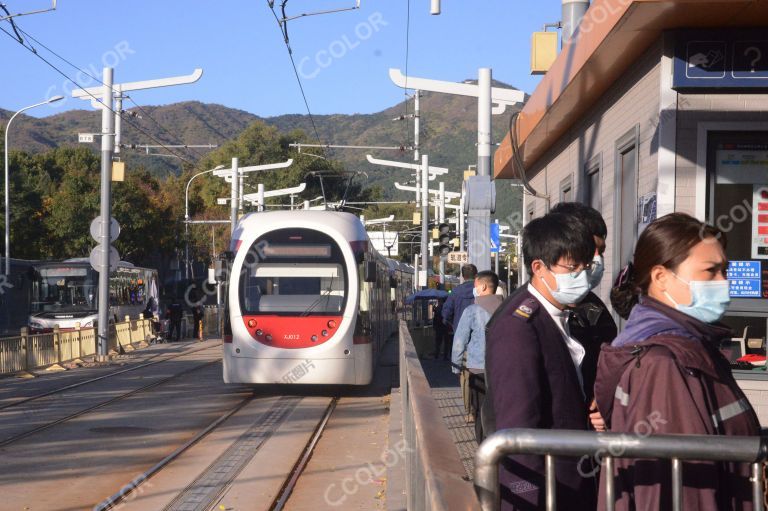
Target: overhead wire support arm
(337,146)
(10,16)
(317,13)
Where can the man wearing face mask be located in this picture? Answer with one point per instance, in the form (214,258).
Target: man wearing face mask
(534,364)
(469,339)
(591,322)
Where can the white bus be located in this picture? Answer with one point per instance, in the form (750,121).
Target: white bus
(66,293)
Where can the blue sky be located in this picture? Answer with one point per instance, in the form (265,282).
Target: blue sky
(344,58)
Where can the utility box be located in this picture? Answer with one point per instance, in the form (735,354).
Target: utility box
(543,51)
(118,171)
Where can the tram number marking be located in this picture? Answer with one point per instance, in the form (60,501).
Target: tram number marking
(291,337)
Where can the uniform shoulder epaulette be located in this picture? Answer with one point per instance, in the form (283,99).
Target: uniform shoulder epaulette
(527,309)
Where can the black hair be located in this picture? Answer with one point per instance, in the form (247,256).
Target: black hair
(468,271)
(666,242)
(489,278)
(555,236)
(587,214)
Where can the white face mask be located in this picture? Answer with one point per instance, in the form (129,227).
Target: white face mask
(709,299)
(597,271)
(571,288)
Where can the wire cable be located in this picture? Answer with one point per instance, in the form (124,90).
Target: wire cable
(68,78)
(284,31)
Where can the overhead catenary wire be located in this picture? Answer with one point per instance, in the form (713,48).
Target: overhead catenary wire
(283,25)
(98,80)
(106,105)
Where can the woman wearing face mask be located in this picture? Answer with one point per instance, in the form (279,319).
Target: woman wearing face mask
(665,371)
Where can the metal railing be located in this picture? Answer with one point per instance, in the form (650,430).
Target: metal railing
(28,351)
(677,448)
(435,477)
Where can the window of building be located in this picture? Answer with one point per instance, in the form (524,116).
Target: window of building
(592,182)
(737,168)
(566,189)
(625,218)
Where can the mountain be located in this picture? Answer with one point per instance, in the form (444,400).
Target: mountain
(448,134)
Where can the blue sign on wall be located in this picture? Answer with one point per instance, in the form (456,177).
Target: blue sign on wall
(744,279)
(495,238)
(721,59)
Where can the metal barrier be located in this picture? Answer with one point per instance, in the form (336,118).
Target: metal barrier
(27,351)
(677,448)
(434,475)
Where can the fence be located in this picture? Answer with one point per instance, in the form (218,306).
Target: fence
(551,443)
(28,351)
(435,477)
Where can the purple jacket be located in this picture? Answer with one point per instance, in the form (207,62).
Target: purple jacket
(665,375)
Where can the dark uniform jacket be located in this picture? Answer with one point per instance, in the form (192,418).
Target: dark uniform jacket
(672,379)
(460,298)
(534,384)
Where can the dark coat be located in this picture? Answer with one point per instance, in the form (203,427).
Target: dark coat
(460,298)
(676,382)
(592,325)
(534,384)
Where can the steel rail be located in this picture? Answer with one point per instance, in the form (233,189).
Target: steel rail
(285,492)
(85,382)
(49,425)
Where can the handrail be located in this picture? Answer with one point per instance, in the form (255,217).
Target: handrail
(549,443)
(435,477)
(29,351)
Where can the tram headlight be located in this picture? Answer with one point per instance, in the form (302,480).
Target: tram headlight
(325,333)
(259,332)
(331,324)
(269,338)
(251,323)
(313,338)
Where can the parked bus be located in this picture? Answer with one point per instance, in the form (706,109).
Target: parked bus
(66,293)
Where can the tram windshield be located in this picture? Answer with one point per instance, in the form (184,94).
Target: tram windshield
(294,272)
(64,289)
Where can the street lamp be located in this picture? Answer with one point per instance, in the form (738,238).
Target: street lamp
(7,198)
(186,217)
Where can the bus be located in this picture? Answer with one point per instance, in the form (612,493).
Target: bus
(65,293)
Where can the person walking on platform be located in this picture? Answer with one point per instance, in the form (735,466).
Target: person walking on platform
(174,313)
(442,334)
(469,340)
(533,363)
(665,370)
(461,297)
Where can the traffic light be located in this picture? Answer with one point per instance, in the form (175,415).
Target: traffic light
(445,244)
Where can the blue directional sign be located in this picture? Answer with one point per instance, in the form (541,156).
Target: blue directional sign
(744,279)
(495,244)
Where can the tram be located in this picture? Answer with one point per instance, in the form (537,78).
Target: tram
(309,300)
(65,293)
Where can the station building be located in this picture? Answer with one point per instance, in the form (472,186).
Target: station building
(657,106)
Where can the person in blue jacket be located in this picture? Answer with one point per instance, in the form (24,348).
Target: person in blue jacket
(461,297)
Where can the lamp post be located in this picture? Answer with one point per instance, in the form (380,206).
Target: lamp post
(186,218)
(7,199)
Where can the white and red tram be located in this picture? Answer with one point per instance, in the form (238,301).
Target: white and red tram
(309,300)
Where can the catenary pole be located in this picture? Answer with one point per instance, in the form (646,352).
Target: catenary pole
(233,196)
(107,146)
(424,217)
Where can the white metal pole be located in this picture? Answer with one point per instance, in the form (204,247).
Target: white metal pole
(107,146)
(233,194)
(441,217)
(424,214)
(416,128)
(484,122)
(118,117)
(261,196)
(241,192)
(461,223)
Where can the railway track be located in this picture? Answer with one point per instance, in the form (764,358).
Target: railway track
(149,363)
(208,488)
(88,409)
